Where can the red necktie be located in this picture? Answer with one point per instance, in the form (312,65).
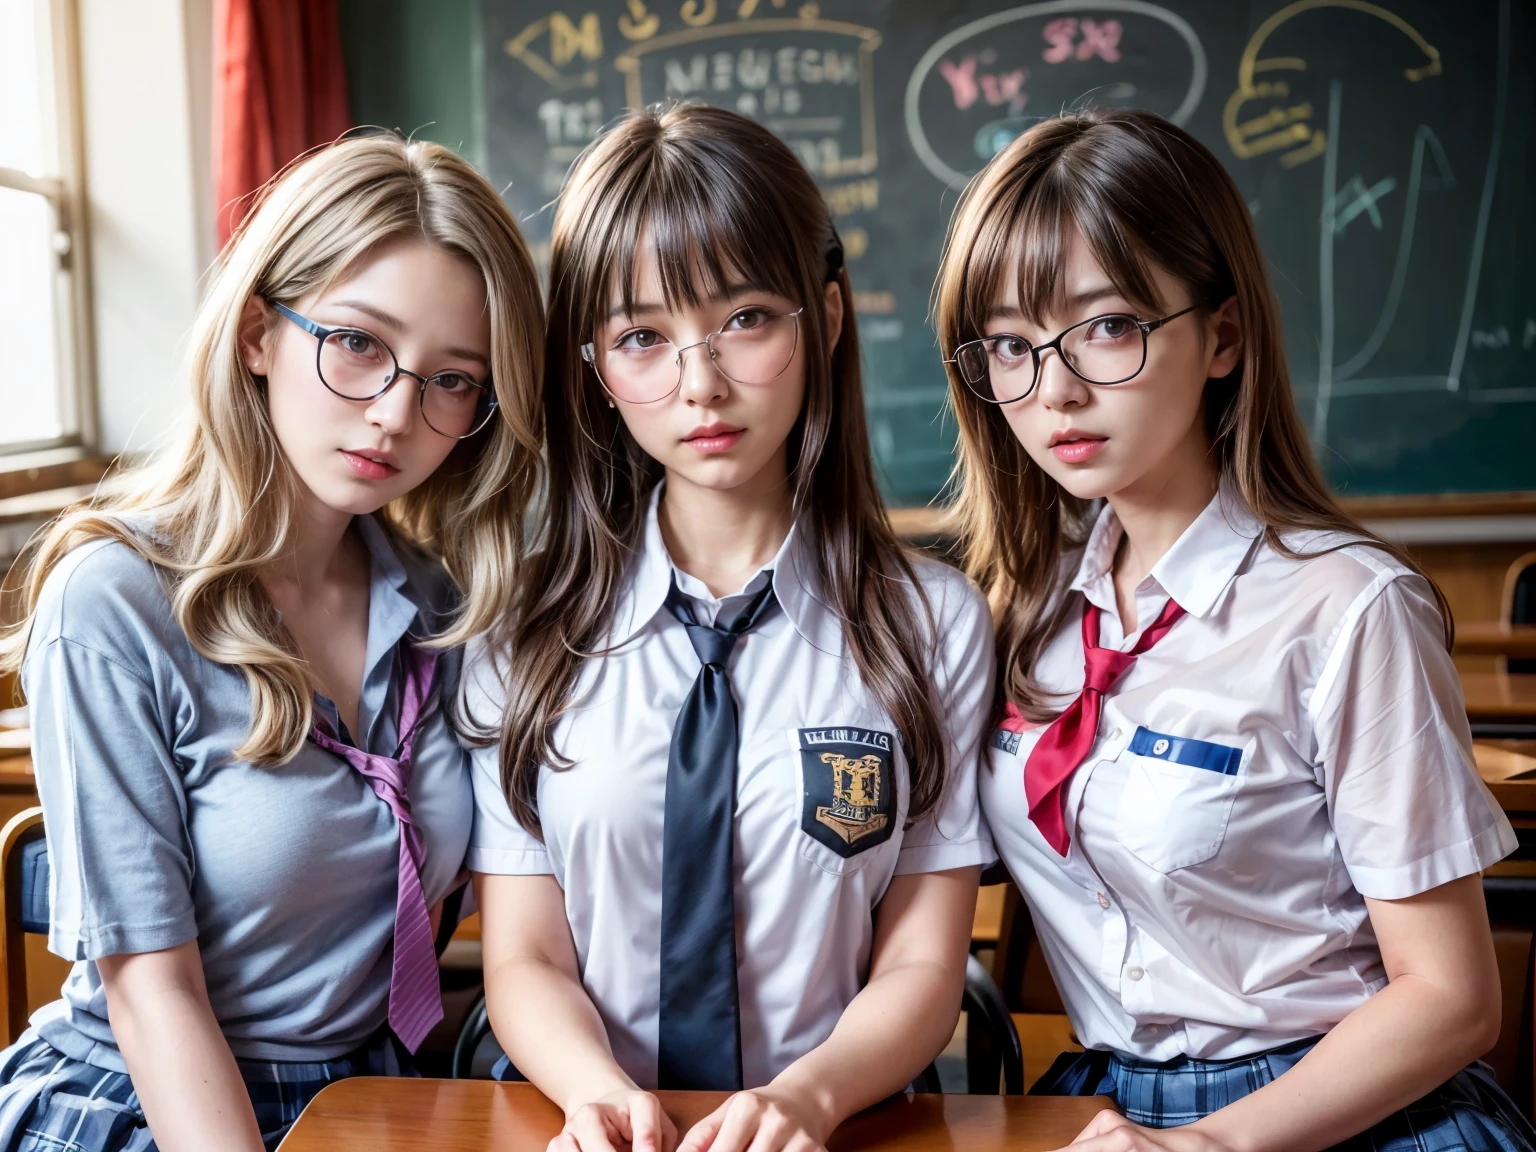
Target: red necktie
(1066,743)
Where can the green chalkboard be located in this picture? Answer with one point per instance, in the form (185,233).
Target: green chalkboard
(1382,149)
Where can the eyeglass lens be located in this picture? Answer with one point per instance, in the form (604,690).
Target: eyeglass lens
(359,366)
(1104,350)
(646,367)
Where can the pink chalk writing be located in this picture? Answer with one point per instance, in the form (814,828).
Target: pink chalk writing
(962,80)
(1100,38)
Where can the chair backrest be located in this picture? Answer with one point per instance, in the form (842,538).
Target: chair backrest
(1520,603)
(23,907)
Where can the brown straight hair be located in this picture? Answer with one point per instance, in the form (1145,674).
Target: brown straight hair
(1141,192)
(717,195)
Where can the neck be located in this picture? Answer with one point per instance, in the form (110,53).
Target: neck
(723,538)
(314,554)
(1155,511)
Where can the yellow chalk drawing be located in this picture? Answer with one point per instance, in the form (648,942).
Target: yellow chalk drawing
(1288,126)
(638,23)
(567,41)
(697,13)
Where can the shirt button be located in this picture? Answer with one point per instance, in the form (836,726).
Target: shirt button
(1102,899)
(1135,972)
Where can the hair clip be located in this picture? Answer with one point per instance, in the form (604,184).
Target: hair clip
(834,254)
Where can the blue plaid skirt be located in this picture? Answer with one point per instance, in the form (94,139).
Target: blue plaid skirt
(51,1103)
(1468,1113)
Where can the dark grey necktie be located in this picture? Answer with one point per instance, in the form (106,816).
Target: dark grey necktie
(700,1030)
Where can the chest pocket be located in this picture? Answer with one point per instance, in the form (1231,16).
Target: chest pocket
(1177,798)
(848,794)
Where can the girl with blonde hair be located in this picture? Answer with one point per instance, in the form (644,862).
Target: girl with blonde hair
(237,661)
(1234,778)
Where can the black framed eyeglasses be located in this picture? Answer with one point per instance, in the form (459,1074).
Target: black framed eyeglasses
(1103,350)
(355,364)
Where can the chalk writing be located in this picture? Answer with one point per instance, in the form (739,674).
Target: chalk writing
(567,40)
(874,303)
(638,23)
(994,87)
(1100,39)
(859,196)
(570,121)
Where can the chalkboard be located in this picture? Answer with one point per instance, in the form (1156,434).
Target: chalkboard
(1381,148)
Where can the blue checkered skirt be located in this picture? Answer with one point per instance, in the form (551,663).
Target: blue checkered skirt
(52,1103)
(1468,1113)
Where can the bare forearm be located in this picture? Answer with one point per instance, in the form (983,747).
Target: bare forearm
(1402,1043)
(184,1073)
(551,1032)
(887,1035)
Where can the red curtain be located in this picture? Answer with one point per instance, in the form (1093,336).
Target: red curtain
(279,89)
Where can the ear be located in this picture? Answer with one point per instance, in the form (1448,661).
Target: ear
(255,320)
(1224,339)
(832,298)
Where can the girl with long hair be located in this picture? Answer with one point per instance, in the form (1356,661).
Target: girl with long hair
(237,661)
(728,835)
(1234,779)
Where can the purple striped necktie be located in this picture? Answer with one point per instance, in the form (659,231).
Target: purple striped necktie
(415,997)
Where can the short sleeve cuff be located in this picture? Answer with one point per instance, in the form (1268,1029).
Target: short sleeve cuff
(943,856)
(1440,867)
(510,861)
(73,943)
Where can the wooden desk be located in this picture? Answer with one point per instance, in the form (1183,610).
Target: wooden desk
(399,1115)
(1499,696)
(1489,638)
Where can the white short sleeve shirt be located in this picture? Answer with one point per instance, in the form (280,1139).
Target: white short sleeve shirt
(1296,743)
(810,869)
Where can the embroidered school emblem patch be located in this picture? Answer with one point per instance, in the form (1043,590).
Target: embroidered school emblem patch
(848,787)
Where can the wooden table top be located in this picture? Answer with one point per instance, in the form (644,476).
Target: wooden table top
(403,1115)
(1499,696)
(1490,638)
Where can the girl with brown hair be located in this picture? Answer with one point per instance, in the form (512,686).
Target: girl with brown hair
(1234,778)
(728,838)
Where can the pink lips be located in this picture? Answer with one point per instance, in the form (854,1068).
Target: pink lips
(371,465)
(1074,447)
(712,438)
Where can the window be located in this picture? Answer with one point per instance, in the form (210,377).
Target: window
(44,357)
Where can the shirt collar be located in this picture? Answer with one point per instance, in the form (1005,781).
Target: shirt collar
(795,584)
(391,608)
(1202,562)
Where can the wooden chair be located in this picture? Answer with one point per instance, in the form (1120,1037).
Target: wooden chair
(1520,604)
(23,908)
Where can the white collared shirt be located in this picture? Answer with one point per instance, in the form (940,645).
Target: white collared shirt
(811,864)
(1296,743)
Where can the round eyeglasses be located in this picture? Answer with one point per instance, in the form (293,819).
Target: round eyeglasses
(754,347)
(356,365)
(1105,350)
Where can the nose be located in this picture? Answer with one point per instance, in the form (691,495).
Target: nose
(395,412)
(702,382)
(1056,385)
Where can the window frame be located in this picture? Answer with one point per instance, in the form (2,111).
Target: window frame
(74,346)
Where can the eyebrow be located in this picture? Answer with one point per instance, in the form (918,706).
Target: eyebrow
(396,325)
(651,307)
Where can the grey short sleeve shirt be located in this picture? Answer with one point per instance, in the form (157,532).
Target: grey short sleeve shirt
(286,877)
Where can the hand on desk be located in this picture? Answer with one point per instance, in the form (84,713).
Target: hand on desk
(629,1118)
(761,1119)
(1111,1132)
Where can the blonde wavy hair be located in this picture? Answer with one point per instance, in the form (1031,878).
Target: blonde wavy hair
(221,495)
